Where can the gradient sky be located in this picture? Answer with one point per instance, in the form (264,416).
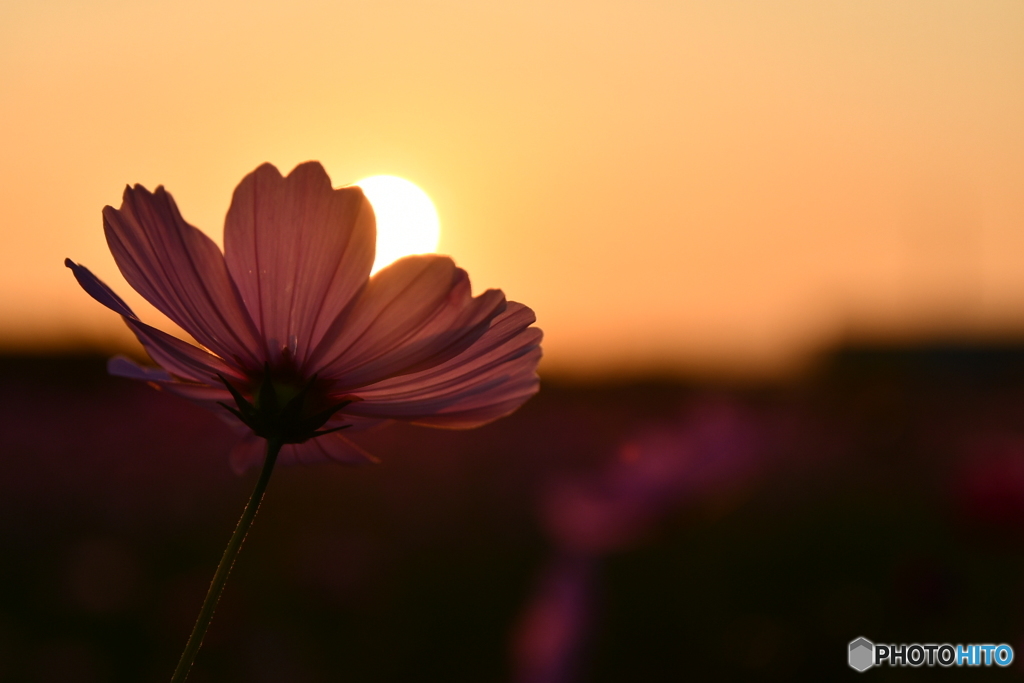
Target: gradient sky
(709,185)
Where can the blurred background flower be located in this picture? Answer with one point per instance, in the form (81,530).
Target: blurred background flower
(703,457)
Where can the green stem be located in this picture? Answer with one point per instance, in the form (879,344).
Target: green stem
(227,561)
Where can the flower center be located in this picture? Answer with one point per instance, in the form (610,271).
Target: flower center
(284,411)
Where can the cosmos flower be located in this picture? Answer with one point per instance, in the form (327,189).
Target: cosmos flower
(296,340)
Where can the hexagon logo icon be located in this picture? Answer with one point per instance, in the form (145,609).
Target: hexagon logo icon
(862,654)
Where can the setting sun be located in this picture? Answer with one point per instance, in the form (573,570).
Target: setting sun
(407,221)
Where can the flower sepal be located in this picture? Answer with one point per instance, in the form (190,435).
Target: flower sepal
(287,423)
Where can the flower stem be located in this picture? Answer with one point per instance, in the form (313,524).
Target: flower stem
(227,561)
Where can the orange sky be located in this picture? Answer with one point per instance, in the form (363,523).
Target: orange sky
(711,185)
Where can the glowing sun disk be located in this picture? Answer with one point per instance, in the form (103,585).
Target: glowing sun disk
(407,221)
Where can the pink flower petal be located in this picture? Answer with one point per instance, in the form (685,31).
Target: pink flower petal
(250,451)
(299,251)
(122,366)
(172,354)
(98,289)
(180,271)
(355,423)
(417,312)
(490,379)
(208,396)
(180,358)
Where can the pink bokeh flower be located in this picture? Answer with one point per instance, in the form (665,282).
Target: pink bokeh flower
(713,449)
(296,339)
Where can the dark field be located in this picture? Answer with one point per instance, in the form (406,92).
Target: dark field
(638,532)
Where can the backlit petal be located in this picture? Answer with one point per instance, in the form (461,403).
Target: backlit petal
(122,366)
(180,358)
(172,354)
(98,289)
(205,394)
(488,380)
(180,271)
(416,313)
(299,251)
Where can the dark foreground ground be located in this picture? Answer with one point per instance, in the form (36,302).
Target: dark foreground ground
(639,532)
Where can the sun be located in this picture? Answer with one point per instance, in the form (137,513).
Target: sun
(407,221)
